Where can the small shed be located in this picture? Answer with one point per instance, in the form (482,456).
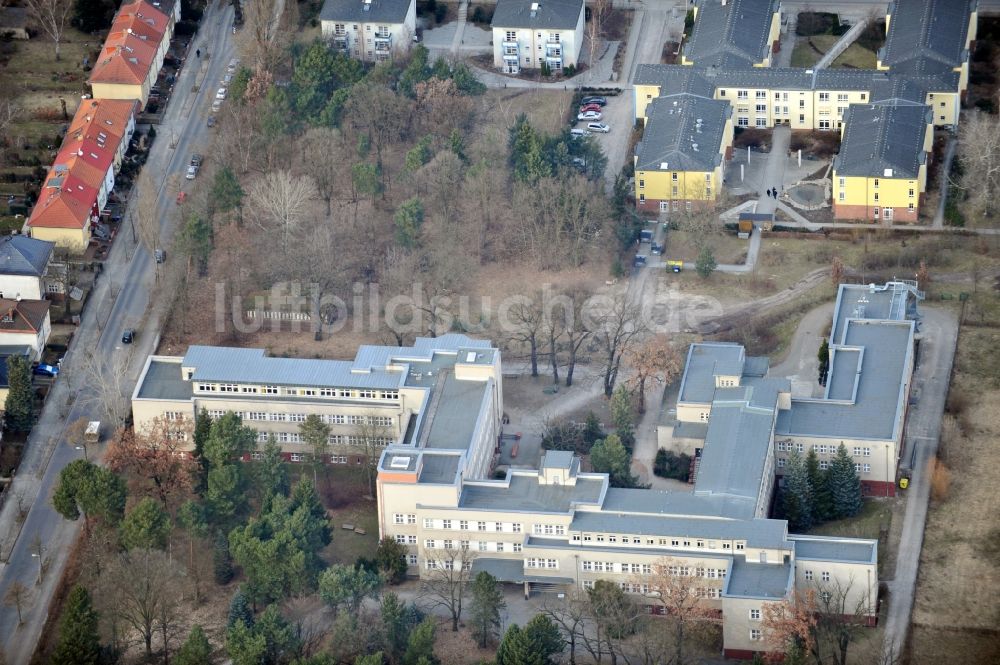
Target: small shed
(748,220)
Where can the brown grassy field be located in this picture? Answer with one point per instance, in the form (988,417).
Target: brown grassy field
(955,615)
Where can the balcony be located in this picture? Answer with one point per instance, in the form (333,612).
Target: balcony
(383,37)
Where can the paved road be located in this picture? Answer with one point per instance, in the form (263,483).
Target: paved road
(801,363)
(939,331)
(132,272)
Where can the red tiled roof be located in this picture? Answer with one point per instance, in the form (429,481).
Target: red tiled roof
(63,209)
(96,116)
(131,46)
(24,315)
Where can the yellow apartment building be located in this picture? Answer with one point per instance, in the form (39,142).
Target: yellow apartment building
(680,161)
(734,33)
(880,173)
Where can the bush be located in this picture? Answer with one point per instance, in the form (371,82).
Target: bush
(940,479)
(440,11)
(671,465)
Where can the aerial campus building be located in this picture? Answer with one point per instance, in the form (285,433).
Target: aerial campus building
(438,407)
(885,115)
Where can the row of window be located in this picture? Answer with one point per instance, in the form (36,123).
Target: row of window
(511,36)
(333,439)
(302,457)
(824,576)
(825,464)
(467,525)
(480,545)
(661,542)
(448,564)
(783,96)
(345,393)
(550,564)
(820,448)
(329,419)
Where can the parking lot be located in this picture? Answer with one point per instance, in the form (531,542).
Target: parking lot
(617,115)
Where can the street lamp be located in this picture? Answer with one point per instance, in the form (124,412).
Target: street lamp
(38,555)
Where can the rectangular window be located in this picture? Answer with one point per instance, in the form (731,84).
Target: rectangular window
(398,518)
(761,94)
(411,559)
(824,96)
(761,122)
(841,97)
(480,526)
(825,576)
(740,545)
(642,184)
(755,634)
(742,94)
(762,108)
(446,524)
(410,519)
(824,464)
(866,468)
(781,462)
(463,525)
(809,575)
(755,615)
(802,119)
(517,547)
(802,104)
(743,121)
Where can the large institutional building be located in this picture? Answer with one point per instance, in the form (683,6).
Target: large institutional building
(438,406)
(885,115)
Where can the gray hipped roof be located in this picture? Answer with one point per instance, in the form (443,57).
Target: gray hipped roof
(731,32)
(542,14)
(927,29)
(683,133)
(21,255)
(358,11)
(883,140)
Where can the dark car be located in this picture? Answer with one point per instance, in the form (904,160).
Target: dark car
(160,255)
(600,101)
(128,336)
(211,121)
(46,370)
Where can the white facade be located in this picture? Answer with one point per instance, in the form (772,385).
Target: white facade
(372,40)
(26,287)
(35,340)
(517,48)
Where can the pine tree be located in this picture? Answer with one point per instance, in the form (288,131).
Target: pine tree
(19,407)
(797,497)
(822,505)
(239,611)
(78,643)
(222,562)
(487,602)
(824,361)
(196,650)
(622,416)
(844,484)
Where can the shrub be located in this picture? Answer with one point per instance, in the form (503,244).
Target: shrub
(440,11)
(940,479)
(672,465)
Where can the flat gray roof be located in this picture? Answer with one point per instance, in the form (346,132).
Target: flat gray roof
(845,370)
(454,414)
(597,549)
(895,301)
(659,502)
(163,381)
(558,459)
(874,414)
(675,79)
(739,28)
(683,133)
(758,580)
(835,549)
(439,468)
(512,570)
(883,140)
(736,446)
(704,362)
(757,532)
(525,493)
(689,430)
(537,14)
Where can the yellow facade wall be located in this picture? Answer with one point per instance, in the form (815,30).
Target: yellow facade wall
(75,240)
(678,185)
(121,91)
(890,192)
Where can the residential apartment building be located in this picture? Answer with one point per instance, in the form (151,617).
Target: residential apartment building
(24,327)
(24,266)
(447,389)
(133,52)
(370,30)
(83,173)
(556,527)
(881,170)
(924,63)
(527,34)
(681,159)
(734,33)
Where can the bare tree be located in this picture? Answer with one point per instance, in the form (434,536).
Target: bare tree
(107,380)
(979,155)
(17,595)
(52,17)
(842,614)
(525,314)
(147,214)
(672,588)
(142,588)
(370,437)
(260,25)
(281,201)
(575,331)
(654,359)
(322,156)
(599,9)
(445,582)
(570,615)
(619,327)
(701,223)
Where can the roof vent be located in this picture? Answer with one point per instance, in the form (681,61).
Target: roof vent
(534,9)
(399,462)
(664,166)
(887,173)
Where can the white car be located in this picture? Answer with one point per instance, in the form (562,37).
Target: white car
(578,133)
(216,105)
(598,127)
(221,94)
(232,65)
(589,115)
(191,172)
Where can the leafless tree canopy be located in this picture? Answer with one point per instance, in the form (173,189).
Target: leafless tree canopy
(52,16)
(281,202)
(979,154)
(444,584)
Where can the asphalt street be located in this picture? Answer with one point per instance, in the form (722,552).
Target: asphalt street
(130,274)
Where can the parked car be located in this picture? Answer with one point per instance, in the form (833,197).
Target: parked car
(220,93)
(128,336)
(232,65)
(226,80)
(598,126)
(216,105)
(578,133)
(600,101)
(589,115)
(46,370)
(656,249)
(211,121)
(590,107)
(160,255)
(181,197)
(192,171)
(196,159)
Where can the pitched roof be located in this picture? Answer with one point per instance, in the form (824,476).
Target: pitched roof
(539,14)
(130,48)
(726,33)
(883,140)
(927,30)
(683,133)
(359,11)
(21,255)
(675,79)
(95,117)
(22,316)
(61,209)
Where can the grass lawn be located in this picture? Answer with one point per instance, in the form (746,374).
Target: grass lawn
(681,246)
(855,57)
(547,110)
(809,50)
(344,495)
